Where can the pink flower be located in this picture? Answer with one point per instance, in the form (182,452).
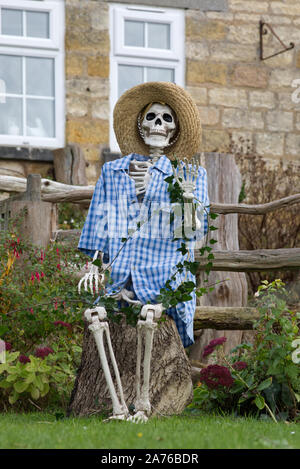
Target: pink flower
(239,366)
(24,359)
(57,251)
(215,375)
(42,256)
(42,274)
(58,266)
(64,324)
(31,310)
(55,304)
(43,352)
(32,278)
(37,276)
(210,348)
(8,346)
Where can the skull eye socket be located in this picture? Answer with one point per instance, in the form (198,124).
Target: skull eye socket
(150,116)
(167,117)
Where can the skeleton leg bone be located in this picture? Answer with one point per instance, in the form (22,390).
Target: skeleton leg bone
(145,327)
(96,317)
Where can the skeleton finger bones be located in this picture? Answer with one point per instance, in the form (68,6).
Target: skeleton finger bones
(92,278)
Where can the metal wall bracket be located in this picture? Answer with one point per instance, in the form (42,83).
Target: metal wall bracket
(264,28)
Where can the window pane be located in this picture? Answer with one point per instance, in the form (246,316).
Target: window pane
(134,33)
(11,116)
(160,74)
(159,35)
(37,24)
(12,23)
(40,118)
(39,76)
(10,74)
(129,76)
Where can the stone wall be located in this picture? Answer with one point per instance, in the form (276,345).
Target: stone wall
(87,80)
(237,93)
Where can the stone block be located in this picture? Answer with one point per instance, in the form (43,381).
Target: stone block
(74,65)
(244,5)
(228,97)
(249,75)
(198,94)
(197,29)
(94,87)
(209,115)
(283,78)
(215,140)
(76,106)
(98,66)
(100,109)
(231,52)
(293,145)
(280,121)
(298,120)
(242,141)
(290,9)
(242,118)
(85,131)
(196,50)
(269,144)
(264,99)
(298,59)
(243,33)
(205,72)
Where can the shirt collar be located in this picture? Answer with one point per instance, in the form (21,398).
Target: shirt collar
(163,163)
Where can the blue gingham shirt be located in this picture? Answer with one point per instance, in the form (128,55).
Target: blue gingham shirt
(149,256)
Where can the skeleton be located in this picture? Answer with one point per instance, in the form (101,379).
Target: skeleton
(158,128)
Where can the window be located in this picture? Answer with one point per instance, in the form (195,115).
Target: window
(147,44)
(32,73)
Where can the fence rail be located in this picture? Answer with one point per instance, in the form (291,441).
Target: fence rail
(57,192)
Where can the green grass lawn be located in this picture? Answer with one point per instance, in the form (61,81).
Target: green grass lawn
(42,430)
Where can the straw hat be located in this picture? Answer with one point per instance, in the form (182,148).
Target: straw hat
(134,100)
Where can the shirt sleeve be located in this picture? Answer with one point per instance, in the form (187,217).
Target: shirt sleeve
(201,194)
(94,235)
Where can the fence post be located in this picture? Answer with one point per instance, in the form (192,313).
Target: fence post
(40,218)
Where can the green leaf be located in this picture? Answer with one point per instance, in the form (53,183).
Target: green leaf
(259,402)
(35,393)
(213,216)
(4,384)
(20,386)
(13,397)
(45,389)
(10,357)
(265,384)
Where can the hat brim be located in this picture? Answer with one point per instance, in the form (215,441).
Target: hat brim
(131,103)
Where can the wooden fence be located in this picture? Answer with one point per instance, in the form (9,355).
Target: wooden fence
(41,195)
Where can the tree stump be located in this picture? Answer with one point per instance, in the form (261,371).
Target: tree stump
(224,185)
(170,379)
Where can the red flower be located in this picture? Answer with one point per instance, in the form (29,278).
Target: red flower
(37,275)
(43,352)
(240,366)
(24,359)
(64,324)
(32,278)
(42,274)
(58,266)
(215,375)
(8,346)
(212,345)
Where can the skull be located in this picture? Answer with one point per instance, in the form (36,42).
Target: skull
(159,125)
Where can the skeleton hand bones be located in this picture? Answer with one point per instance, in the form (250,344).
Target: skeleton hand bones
(93,277)
(187,179)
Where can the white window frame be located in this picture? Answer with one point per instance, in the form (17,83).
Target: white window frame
(147,57)
(43,48)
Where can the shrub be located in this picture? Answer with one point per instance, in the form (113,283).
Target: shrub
(260,377)
(262,183)
(41,318)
